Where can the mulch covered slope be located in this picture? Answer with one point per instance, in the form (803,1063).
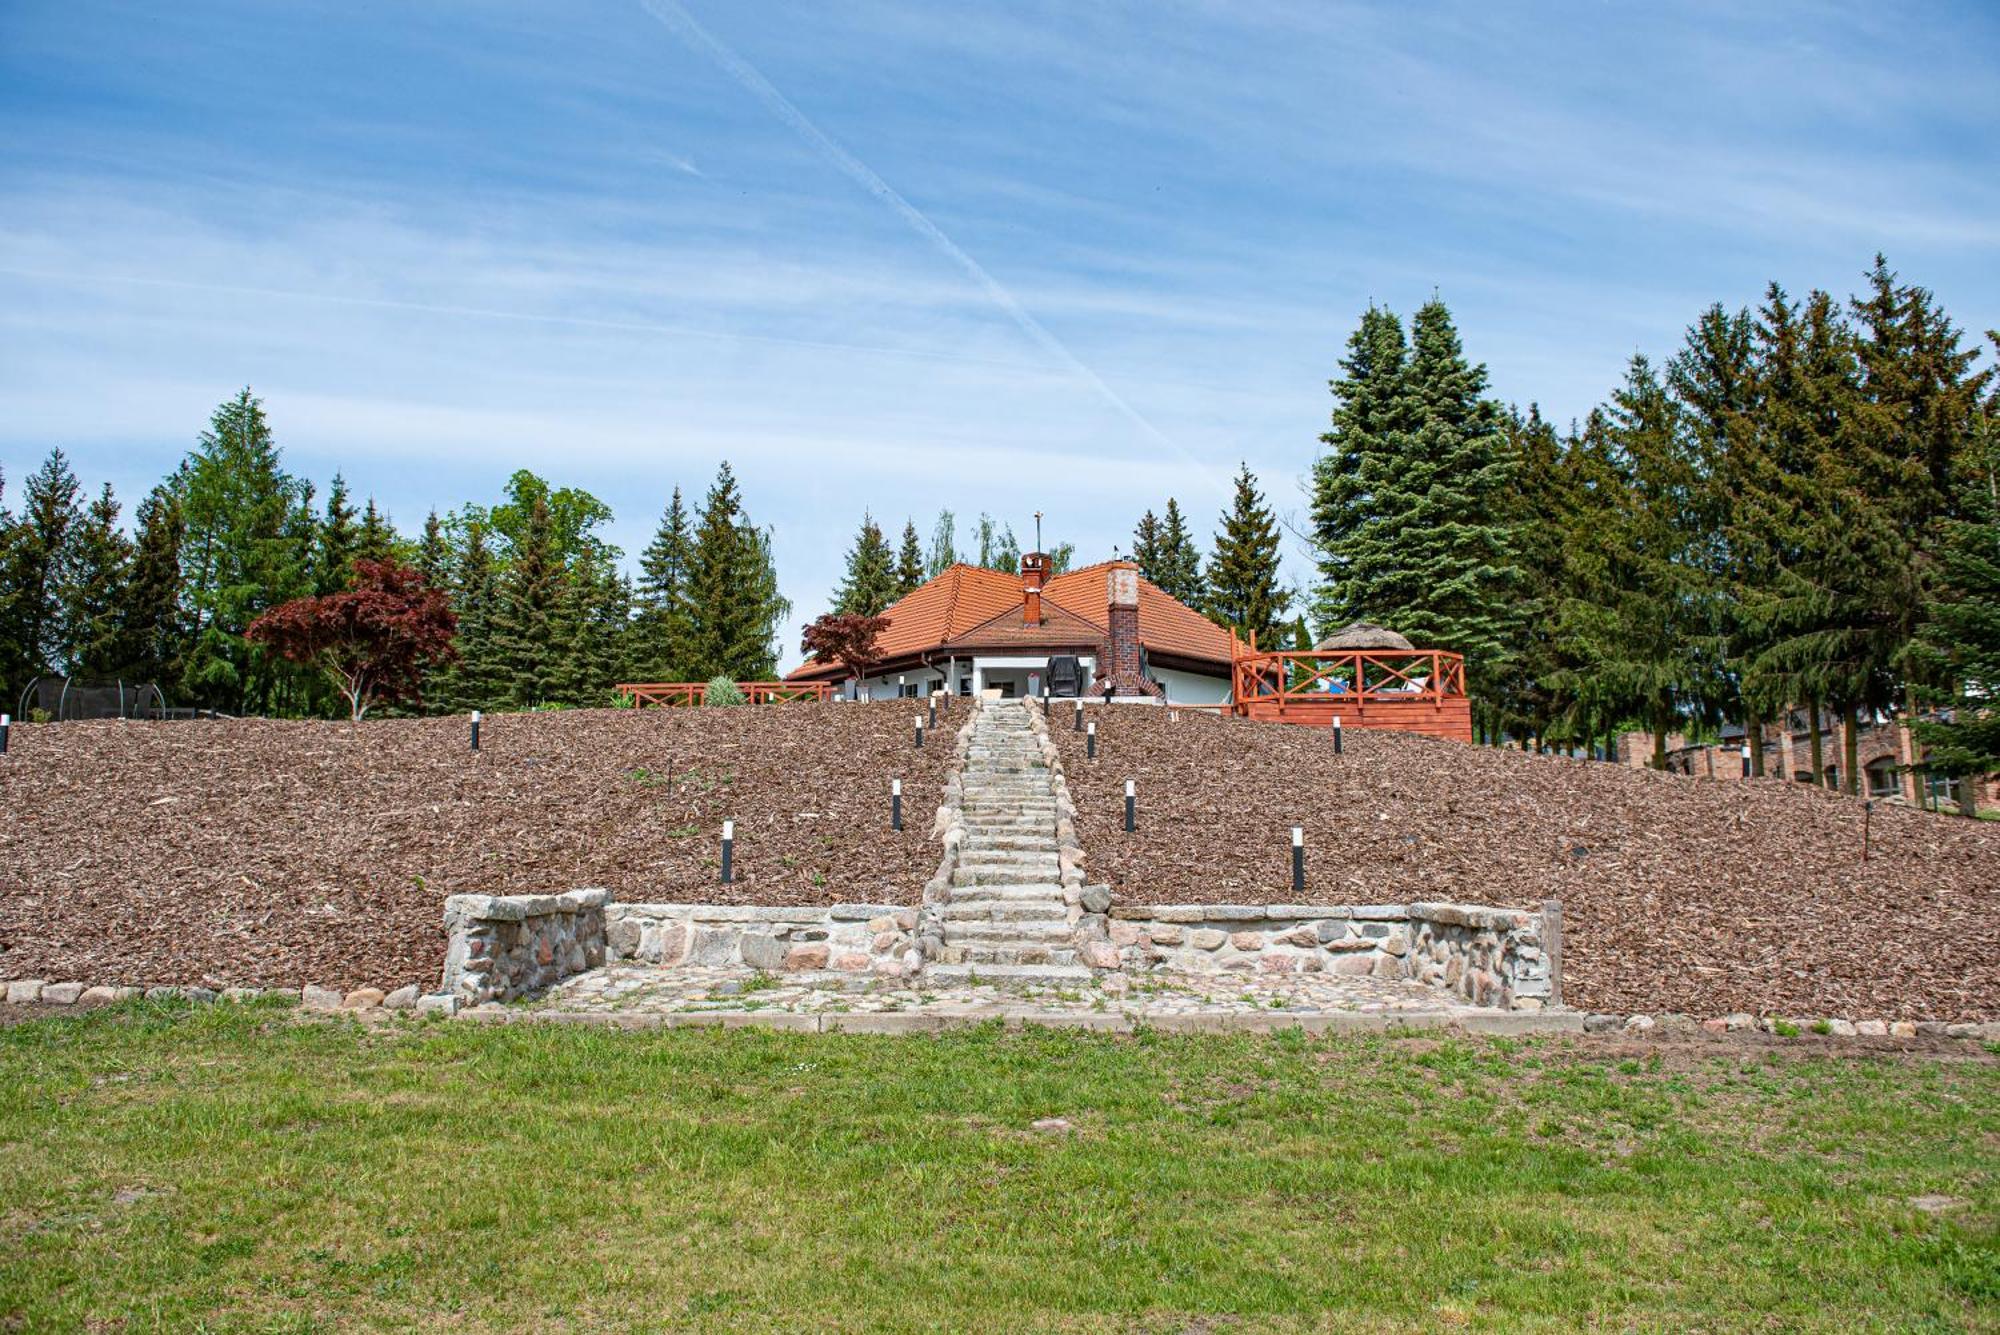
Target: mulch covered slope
(264,853)
(1680,894)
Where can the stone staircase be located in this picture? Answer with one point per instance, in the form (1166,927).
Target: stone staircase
(1006,920)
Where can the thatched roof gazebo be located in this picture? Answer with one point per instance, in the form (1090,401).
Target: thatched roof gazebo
(1363,635)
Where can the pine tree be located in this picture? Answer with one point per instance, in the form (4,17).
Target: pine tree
(909,561)
(660,630)
(94,594)
(479,678)
(1243,591)
(731,590)
(943,552)
(529,644)
(333,558)
(870,584)
(771,607)
(1146,546)
(152,633)
(241,555)
(1180,562)
(1524,697)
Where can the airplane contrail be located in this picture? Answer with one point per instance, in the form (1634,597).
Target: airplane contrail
(677,19)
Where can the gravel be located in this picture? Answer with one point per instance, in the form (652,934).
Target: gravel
(265,853)
(1680,894)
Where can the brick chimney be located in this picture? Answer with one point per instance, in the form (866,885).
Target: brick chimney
(1121,656)
(1034,570)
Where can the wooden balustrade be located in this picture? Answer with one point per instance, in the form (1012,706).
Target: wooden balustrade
(670,694)
(1415,690)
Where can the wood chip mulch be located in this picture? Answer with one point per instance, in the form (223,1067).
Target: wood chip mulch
(259,853)
(1680,894)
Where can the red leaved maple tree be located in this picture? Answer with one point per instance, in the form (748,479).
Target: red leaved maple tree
(848,638)
(374,639)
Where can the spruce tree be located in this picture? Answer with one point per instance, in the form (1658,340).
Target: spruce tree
(1363,447)
(241,555)
(41,567)
(1525,699)
(1179,561)
(479,679)
(731,590)
(1146,546)
(660,628)
(1243,589)
(335,549)
(870,583)
(376,538)
(433,554)
(909,561)
(95,590)
(150,633)
(529,648)
(14,657)
(1961,643)
(771,607)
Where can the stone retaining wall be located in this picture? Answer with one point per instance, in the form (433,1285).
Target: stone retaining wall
(870,938)
(1505,958)
(503,946)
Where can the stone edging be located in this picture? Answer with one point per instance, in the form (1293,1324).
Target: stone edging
(1086,904)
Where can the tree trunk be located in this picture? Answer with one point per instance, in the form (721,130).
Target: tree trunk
(1753,729)
(1659,745)
(1818,752)
(1850,750)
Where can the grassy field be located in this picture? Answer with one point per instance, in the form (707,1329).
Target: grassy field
(231,1168)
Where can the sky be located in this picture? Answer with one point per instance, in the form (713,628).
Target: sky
(999,257)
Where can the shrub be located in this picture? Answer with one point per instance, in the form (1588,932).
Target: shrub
(723,691)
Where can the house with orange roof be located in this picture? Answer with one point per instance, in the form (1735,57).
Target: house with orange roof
(971,630)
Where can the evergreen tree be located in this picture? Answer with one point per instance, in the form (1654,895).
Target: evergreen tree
(909,561)
(94,594)
(433,554)
(943,553)
(1243,590)
(731,588)
(772,608)
(1525,698)
(1364,446)
(376,539)
(1961,644)
(479,679)
(14,657)
(1146,546)
(151,636)
(1179,561)
(337,541)
(870,584)
(529,642)
(41,566)
(660,630)
(241,555)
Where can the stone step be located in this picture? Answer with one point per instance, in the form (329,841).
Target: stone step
(1024,932)
(1042,859)
(1003,911)
(1006,894)
(1005,873)
(1008,974)
(1010,955)
(1002,843)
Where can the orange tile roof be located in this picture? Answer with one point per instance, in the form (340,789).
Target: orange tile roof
(967,607)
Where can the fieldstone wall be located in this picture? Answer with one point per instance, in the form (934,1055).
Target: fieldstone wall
(1489,957)
(949,829)
(1086,904)
(858,938)
(504,946)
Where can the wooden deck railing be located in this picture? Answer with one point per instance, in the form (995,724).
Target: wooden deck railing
(1418,690)
(672,693)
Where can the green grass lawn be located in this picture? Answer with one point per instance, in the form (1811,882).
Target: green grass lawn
(231,1168)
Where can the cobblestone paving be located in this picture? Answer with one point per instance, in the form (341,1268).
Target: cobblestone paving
(629,989)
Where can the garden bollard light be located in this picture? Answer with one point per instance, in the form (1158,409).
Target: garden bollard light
(1336,735)
(933,709)
(920,732)
(1746,760)
(728,851)
(1867,811)
(1090,741)
(1131,805)
(475,730)
(5,724)
(896,804)
(1079,717)
(1298,860)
